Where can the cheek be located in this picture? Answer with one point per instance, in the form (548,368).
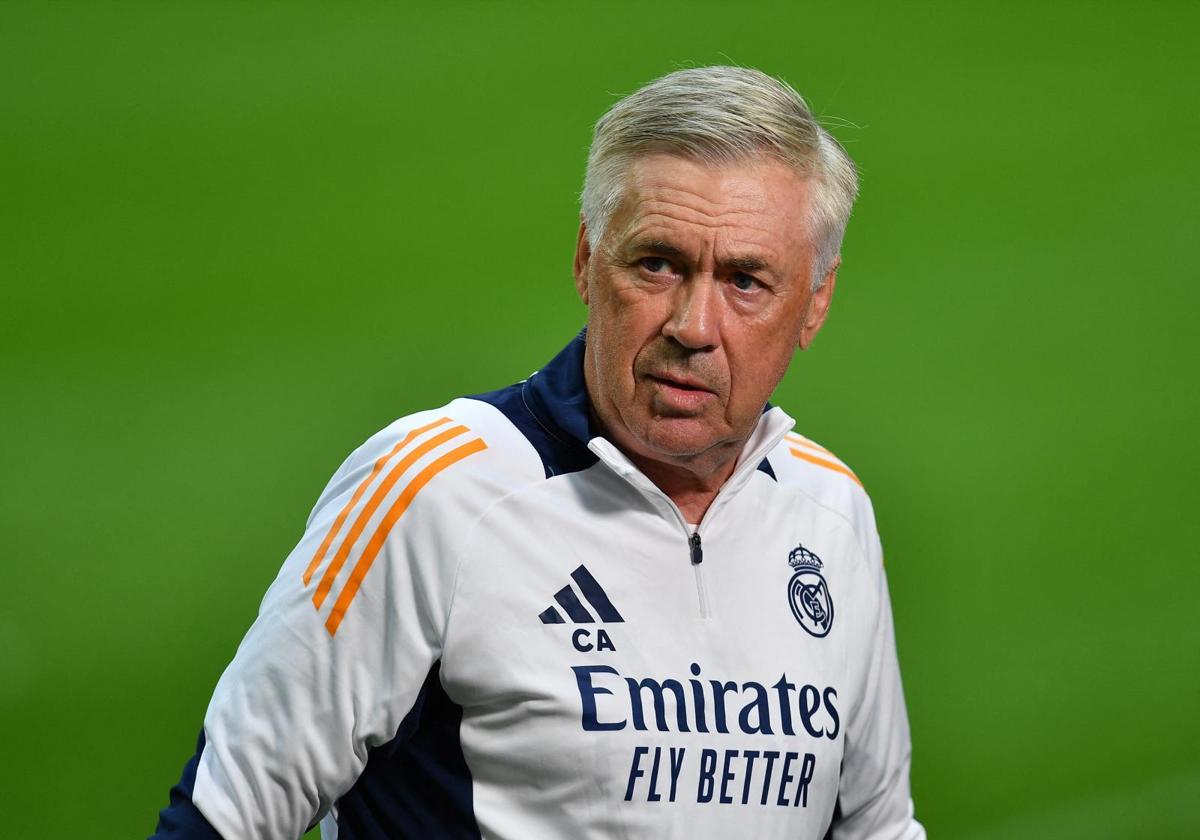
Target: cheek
(756,371)
(609,336)
(629,322)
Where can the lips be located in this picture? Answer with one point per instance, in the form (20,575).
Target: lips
(679,395)
(685,383)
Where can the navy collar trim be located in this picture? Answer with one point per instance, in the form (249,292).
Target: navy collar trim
(556,397)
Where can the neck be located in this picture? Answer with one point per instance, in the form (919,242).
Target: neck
(692,482)
(692,490)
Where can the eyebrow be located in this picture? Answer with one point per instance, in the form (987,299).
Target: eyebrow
(747,264)
(666,249)
(657,246)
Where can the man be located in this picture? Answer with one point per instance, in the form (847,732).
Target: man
(620,598)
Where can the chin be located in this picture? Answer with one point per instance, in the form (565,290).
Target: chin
(681,437)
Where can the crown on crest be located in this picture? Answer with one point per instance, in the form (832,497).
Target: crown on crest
(802,558)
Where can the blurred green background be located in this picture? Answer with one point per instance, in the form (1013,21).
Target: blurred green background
(236,239)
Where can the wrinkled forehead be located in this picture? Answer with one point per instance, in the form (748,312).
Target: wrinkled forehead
(757,203)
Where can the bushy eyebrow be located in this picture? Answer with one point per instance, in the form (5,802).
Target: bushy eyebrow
(659,247)
(747,264)
(662,248)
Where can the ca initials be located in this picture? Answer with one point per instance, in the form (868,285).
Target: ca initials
(582,640)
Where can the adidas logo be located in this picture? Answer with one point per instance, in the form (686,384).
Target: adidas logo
(593,593)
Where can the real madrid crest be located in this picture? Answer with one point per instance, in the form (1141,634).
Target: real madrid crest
(808,594)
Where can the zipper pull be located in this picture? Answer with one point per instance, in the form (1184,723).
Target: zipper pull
(697,551)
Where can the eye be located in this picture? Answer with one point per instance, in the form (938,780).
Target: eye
(744,282)
(655,265)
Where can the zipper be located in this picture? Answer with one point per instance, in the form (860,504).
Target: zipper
(765,440)
(696,551)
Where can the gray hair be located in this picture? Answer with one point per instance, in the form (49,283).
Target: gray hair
(721,115)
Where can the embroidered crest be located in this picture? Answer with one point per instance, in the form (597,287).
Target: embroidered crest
(808,594)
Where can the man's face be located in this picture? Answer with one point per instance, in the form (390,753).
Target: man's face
(698,295)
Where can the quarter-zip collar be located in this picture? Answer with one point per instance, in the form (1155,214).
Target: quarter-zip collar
(551,409)
(557,397)
(772,426)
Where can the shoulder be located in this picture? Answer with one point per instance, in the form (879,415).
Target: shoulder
(403,502)
(431,473)
(805,465)
(467,445)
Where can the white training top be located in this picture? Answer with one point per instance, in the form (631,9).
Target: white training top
(495,626)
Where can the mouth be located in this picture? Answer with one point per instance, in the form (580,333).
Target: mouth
(679,395)
(682,383)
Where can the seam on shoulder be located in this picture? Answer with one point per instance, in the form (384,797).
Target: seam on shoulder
(854,529)
(461,562)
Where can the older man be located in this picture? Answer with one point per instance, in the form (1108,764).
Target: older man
(618,599)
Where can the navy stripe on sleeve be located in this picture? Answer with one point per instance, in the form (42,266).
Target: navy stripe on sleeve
(418,784)
(182,820)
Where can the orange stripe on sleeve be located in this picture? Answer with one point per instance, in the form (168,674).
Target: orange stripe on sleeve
(821,462)
(803,441)
(362,488)
(393,515)
(373,504)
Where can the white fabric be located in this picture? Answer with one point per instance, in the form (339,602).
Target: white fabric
(462,577)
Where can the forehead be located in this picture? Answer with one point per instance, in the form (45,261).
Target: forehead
(758,204)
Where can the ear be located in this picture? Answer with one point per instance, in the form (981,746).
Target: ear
(583,254)
(818,306)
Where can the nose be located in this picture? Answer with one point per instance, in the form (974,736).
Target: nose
(695,318)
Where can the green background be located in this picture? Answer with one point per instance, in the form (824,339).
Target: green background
(238,239)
